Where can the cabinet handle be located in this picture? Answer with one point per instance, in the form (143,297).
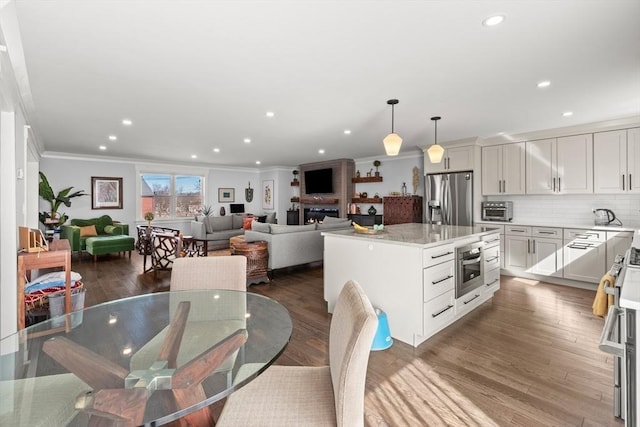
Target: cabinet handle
(559,185)
(582,247)
(489,284)
(533,246)
(630,182)
(528,246)
(515,230)
(441,255)
(547,232)
(441,280)
(468,301)
(491,241)
(622,182)
(449,307)
(554,185)
(491,259)
(504,186)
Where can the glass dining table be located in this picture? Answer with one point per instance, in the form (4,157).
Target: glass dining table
(144,360)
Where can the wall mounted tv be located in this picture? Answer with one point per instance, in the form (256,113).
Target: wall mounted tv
(318,181)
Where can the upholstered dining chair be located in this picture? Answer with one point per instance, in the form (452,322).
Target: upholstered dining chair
(206,324)
(314,396)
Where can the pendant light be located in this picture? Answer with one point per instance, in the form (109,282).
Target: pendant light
(435,151)
(392,142)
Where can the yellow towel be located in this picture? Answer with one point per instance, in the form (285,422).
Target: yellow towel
(603,301)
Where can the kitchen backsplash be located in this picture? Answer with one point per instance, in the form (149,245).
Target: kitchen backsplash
(572,209)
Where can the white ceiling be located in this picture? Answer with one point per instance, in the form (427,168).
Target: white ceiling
(194,75)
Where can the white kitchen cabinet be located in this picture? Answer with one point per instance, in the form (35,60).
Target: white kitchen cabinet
(454,159)
(616,161)
(584,255)
(503,169)
(536,250)
(560,165)
(617,244)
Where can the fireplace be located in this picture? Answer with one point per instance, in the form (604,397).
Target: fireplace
(318,214)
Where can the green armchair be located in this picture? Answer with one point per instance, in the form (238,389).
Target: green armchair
(104,227)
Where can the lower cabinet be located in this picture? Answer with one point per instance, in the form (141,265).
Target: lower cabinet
(584,254)
(438,313)
(546,257)
(617,244)
(528,251)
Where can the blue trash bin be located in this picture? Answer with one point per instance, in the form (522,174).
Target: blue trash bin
(382,340)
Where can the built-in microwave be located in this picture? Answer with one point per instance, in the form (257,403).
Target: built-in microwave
(497,211)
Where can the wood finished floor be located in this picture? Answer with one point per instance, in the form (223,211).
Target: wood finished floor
(529,357)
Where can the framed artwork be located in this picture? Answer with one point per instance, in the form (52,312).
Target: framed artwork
(267,194)
(226,195)
(106,192)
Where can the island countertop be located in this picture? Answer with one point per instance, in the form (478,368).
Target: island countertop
(414,234)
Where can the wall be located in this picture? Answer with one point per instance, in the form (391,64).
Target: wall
(571,210)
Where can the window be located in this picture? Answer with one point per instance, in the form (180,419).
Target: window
(171,196)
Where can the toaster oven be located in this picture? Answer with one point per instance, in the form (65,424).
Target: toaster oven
(497,211)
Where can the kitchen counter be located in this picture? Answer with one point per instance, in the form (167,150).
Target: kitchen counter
(541,224)
(423,235)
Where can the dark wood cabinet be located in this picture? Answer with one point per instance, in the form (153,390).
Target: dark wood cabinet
(402,209)
(293,217)
(365,220)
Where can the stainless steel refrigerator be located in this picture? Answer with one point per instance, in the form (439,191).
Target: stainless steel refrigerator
(449,198)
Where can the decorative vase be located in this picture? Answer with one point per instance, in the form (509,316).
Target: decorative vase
(222,211)
(372,210)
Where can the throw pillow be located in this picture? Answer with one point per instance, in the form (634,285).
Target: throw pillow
(282,229)
(207,224)
(334,220)
(271,218)
(247,223)
(260,227)
(262,218)
(88,231)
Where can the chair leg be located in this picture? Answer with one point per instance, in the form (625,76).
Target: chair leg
(95,259)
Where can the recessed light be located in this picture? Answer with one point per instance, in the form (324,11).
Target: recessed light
(347,132)
(567,114)
(3,48)
(493,20)
(112,137)
(216,150)
(258,162)
(321,151)
(193,156)
(247,140)
(103,147)
(127,122)
(270,114)
(544,83)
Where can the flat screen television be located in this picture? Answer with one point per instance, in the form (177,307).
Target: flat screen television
(318,181)
(236,207)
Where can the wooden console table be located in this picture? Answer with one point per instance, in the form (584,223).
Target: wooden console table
(58,255)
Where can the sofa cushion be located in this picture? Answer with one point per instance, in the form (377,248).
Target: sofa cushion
(334,220)
(220,223)
(99,222)
(282,229)
(258,226)
(237,221)
(88,230)
(333,225)
(271,218)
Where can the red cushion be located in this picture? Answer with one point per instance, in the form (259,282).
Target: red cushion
(246,223)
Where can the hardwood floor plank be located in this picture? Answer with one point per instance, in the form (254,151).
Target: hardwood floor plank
(528,357)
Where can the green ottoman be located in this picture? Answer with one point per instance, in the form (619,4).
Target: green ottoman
(100,245)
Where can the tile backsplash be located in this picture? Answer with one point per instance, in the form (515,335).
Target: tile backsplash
(566,210)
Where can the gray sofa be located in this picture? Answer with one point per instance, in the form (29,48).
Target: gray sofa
(217,230)
(291,245)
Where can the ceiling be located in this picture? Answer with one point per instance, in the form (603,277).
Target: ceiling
(198,75)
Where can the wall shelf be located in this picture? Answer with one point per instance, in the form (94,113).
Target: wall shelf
(366,179)
(366,200)
(295,183)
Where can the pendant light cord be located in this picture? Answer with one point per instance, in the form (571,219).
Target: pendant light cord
(392,116)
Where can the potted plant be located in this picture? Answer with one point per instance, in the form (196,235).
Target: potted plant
(376,163)
(207,210)
(53,218)
(149,217)
(295,175)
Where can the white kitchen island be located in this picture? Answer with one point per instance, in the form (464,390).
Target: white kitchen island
(408,271)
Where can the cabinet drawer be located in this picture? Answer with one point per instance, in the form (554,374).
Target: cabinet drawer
(491,240)
(438,312)
(469,301)
(491,258)
(437,255)
(584,234)
(517,230)
(438,280)
(492,280)
(547,232)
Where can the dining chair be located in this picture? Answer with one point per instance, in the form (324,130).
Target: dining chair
(320,395)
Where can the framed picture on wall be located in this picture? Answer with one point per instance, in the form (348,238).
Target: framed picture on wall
(226,195)
(267,194)
(106,192)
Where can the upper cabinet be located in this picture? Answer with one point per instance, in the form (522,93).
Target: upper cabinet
(454,159)
(616,161)
(503,169)
(560,165)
